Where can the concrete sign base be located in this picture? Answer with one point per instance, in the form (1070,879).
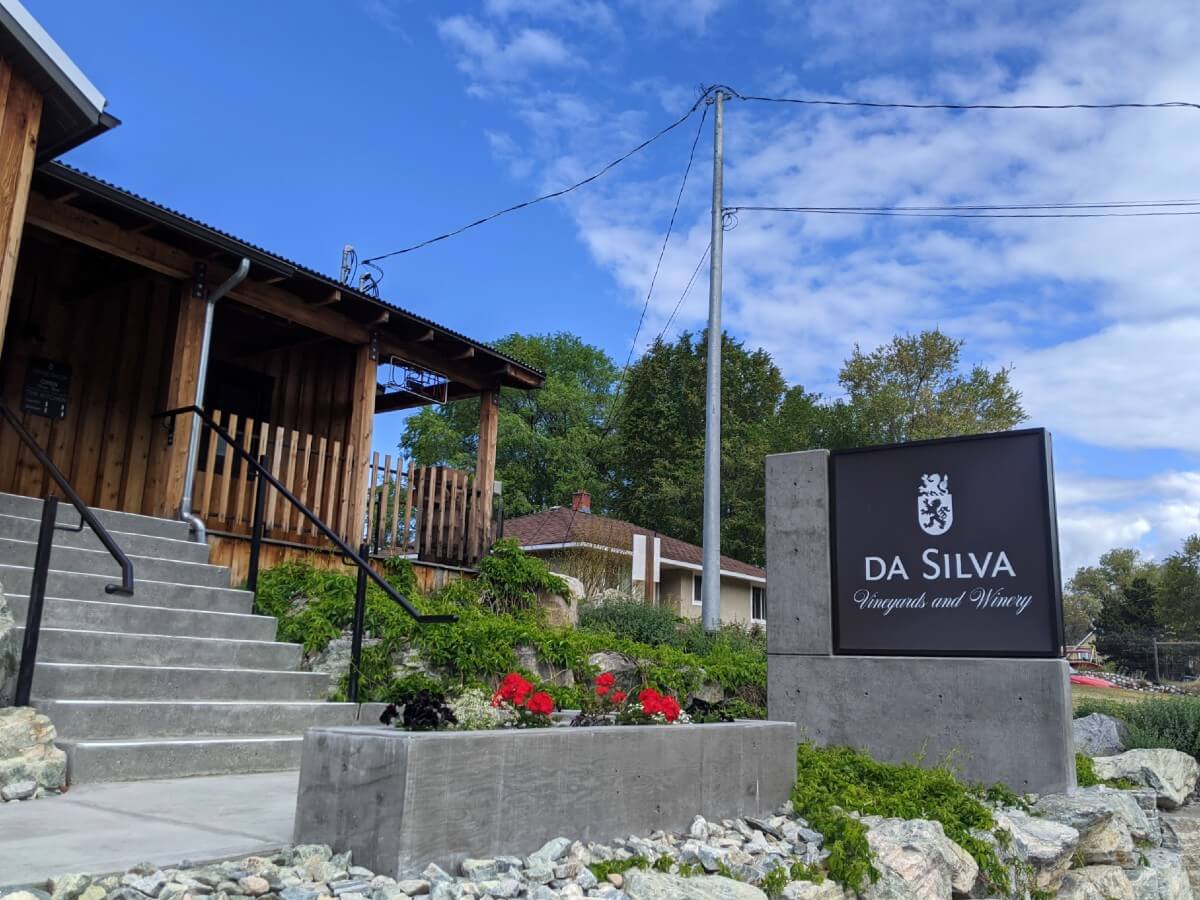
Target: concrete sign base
(1005,720)
(996,719)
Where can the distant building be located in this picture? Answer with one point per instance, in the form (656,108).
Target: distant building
(610,553)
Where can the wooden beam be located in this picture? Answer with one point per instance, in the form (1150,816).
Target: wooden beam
(427,357)
(485,463)
(67,197)
(19,124)
(77,225)
(181,391)
(275,279)
(335,296)
(381,318)
(465,354)
(358,445)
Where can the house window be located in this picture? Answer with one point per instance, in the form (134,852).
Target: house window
(697,592)
(758,604)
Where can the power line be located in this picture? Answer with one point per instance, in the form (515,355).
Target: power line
(897,212)
(550,196)
(686,290)
(812,101)
(662,250)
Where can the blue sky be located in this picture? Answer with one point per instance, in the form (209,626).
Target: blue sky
(304,126)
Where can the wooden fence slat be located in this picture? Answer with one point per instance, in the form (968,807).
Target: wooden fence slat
(408,505)
(272,504)
(344,497)
(210,465)
(289,482)
(444,496)
(317,496)
(382,516)
(427,508)
(227,474)
(243,485)
(302,489)
(329,511)
(372,478)
(395,538)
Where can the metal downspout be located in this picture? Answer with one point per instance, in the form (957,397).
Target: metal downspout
(199,531)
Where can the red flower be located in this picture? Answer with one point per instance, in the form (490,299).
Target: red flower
(604,683)
(618,697)
(669,707)
(541,704)
(514,689)
(651,701)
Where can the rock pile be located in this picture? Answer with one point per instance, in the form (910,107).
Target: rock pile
(1093,843)
(30,764)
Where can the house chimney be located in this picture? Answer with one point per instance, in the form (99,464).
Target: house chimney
(581,501)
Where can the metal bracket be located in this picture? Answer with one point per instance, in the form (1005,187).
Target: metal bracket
(199,277)
(373,346)
(169,424)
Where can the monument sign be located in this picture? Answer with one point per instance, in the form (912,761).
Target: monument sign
(916,605)
(946,548)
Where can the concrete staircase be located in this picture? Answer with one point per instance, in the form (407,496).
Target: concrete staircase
(179,679)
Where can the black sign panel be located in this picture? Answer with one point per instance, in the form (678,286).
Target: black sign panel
(47,384)
(946,548)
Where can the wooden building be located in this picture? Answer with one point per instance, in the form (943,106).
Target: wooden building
(103,298)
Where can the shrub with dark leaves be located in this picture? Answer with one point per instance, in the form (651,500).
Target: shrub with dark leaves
(426,711)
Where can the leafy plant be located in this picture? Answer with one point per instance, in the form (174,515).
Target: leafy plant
(1171,722)
(511,579)
(632,619)
(427,711)
(833,782)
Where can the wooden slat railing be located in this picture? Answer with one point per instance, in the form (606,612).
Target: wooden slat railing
(430,513)
(314,468)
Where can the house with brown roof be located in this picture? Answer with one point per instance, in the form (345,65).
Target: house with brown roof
(604,552)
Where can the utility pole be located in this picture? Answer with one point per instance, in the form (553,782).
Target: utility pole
(711,586)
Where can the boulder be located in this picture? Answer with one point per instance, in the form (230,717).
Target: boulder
(27,751)
(1164,877)
(10,652)
(1170,773)
(1099,735)
(1108,821)
(810,890)
(563,610)
(527,658)
(1045,846)
(642,885)
(889,886)
(932,865)
(625,668)
(1096,883)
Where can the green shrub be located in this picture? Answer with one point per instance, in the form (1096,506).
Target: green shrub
(833,782)
(1085,771)
(512,579)
(1170,722)
(634,620)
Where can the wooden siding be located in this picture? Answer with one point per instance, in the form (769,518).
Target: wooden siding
(20,118)
(117,342)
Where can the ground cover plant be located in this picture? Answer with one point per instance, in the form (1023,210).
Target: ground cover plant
(834,782)
(497,615)
(1171,722)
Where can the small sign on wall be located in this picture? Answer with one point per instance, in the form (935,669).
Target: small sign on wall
(47,386)
(946,548)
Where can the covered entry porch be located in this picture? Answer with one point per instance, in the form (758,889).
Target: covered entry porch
(106,329)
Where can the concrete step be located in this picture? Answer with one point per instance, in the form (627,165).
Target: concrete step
(81,586)
(59,680)
(101,562)
(31,508)
(77,720)
(136,618)
(137,759)
(23,529)
(125,648)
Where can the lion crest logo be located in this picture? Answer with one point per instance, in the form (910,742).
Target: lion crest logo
(935,505)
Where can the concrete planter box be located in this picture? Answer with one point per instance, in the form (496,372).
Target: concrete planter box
(401,800)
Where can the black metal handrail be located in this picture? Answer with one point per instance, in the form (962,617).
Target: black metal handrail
(85,511)
(41,560)
(364,567)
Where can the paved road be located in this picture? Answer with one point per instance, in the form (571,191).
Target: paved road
(109,827)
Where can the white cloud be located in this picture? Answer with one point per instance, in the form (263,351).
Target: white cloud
(488,58)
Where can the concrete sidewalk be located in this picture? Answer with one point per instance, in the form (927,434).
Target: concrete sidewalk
(99,828)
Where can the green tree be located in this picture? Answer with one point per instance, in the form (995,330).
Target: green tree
(1179,591)
(659,452)
(1126,585)
(912,389)
(550,442)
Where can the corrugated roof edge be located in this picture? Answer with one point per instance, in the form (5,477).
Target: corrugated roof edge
(84,181)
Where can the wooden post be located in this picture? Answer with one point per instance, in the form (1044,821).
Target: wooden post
(181,391)
(19,124)
(485,465)
(358,449)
